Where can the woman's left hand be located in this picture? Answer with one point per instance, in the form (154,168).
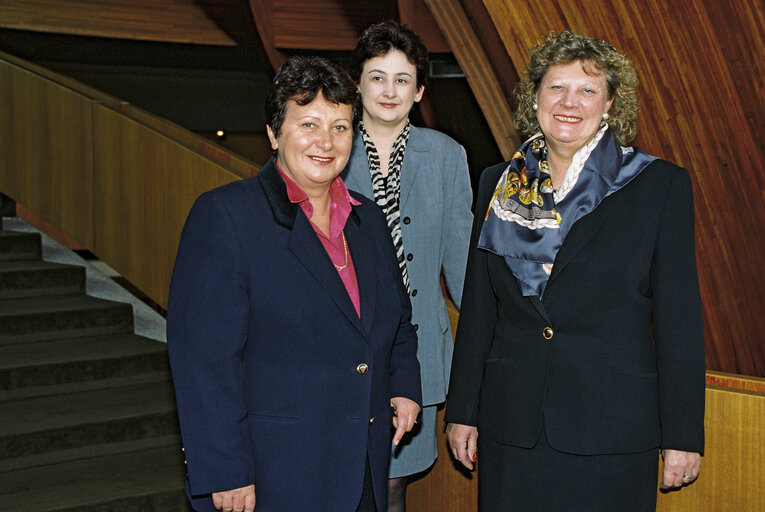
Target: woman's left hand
(680,468)
(405,413)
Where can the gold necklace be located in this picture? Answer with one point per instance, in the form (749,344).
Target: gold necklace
(345,248)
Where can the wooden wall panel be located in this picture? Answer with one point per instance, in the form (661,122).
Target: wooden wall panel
(176,21)
(116,179)
(447,486)
(732,474)
(700,66)
(46,150)
(145,186)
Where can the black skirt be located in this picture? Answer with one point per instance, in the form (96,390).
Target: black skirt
(542,479)
(367,503)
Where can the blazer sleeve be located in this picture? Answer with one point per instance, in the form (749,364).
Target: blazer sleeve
(478,317)
(457,221)
(678,322)
(207,331)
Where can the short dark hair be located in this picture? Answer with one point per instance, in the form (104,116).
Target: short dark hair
(300,79)
(380,38)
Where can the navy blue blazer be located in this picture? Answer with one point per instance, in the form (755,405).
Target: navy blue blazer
(265,347)
(611,358)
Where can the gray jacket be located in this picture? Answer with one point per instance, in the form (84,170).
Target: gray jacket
(435,225)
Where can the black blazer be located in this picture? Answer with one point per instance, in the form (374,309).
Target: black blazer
(623,368)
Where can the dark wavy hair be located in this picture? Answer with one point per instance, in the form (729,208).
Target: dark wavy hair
(380,38)
(300,79)
(564,48)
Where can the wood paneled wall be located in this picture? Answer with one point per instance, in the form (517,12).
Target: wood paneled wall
(732,474)
(46,150)
(144,187)
(700,63)
(116,179)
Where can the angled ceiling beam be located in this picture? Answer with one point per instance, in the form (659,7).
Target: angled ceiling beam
(417,15)
(263,14)
(474,61)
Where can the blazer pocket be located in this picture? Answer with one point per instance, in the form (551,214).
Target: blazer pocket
(498,387)
(510,403)
(632,403)
(443,319)
(274,417)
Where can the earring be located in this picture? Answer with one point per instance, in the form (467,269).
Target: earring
(605,116)
(535,106)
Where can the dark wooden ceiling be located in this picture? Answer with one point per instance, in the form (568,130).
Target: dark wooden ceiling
(176,21)
(286,24)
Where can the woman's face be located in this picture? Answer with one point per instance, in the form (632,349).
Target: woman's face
(571,104)
(388,87)
(314,143)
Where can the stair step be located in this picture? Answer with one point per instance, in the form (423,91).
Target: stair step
(87,410)
(52,362)
(149,477)
(158,379)
(51,423)
(26,462)
(61,316)
(16,245)
(34,278)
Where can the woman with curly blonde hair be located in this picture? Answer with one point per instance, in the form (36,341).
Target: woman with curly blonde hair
(579,352)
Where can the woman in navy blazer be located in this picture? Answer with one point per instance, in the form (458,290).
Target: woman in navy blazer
(421,179)
(289,329)
(580,351)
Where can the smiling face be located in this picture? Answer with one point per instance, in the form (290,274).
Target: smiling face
(314,143)
(388,87)
(571,104)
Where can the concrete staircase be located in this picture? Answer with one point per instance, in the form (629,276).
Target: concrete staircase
(87,412)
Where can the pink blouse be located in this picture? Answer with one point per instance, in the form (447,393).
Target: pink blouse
(335,244)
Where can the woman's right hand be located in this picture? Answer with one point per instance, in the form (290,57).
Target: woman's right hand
(235,500)
(463,441)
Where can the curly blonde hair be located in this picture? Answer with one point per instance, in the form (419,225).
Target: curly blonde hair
(564,48)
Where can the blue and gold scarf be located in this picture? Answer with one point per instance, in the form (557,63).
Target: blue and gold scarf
(528,226)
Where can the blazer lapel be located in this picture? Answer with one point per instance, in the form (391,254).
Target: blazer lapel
(415,152)
(578,237)
(304,242)
(364,262)
(539,306)
(360,179)
(305,245)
